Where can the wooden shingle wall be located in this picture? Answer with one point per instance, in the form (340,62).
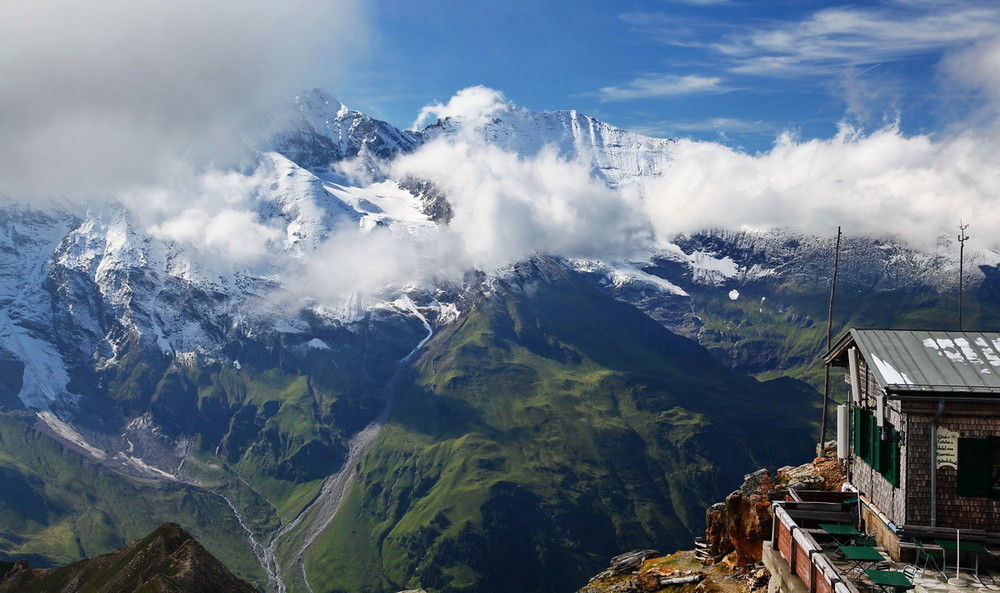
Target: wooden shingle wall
(969,420)
(891,500)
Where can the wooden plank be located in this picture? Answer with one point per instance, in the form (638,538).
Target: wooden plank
(821,516)
(816,505)
(925,532)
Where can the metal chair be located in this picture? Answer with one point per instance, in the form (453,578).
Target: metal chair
(924,556)
(912,572)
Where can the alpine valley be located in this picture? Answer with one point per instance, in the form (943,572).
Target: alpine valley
(499,427)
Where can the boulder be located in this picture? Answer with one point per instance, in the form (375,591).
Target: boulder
(631,561)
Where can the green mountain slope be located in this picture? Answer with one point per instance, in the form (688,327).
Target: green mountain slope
(257,437)
(549,429)
(770,318)
(58,506)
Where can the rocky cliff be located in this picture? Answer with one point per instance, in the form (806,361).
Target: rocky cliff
(729,557)
(737,527)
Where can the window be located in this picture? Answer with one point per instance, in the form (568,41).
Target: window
(979,467)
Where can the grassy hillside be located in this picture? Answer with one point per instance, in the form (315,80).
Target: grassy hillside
(548,430)
(263,434)
(59,507)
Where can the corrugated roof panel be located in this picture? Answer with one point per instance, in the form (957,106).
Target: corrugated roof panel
(906,360)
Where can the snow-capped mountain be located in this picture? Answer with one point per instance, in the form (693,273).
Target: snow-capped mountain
(86,286)
(616,155)
(195,348)
(319,130)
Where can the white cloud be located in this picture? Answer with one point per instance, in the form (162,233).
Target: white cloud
(833,39)
(879,183)
(666,85)
(213,216)
(507,207)
(353,263)
(235,236)
(470,106)
(101,95)
(720,125)
(976,69)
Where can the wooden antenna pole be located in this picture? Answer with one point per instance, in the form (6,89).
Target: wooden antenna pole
(829,344)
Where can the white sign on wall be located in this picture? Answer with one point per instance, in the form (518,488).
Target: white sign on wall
(947,448)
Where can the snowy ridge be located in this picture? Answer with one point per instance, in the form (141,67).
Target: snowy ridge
(318,131)
(622,274)
(81,289)
(617,156)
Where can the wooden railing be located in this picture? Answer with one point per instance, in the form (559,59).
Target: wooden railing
(805,557)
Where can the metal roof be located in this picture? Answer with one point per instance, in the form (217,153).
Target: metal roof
(932,361)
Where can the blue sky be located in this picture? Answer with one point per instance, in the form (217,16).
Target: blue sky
(738,72)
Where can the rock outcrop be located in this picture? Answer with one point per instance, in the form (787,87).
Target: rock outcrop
(737,527)
(736,530)
(646,571)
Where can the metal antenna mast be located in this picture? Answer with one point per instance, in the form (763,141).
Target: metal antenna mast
(962,238)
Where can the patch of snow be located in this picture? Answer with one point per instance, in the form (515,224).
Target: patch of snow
(891,375)
(291,327)
(161,340)
(318,344)
(988,352)
(621,274)
(45,377)
(618,156)
(381,202)
(709,268)
(968,351)
(734,294)
(448,313)
(950,349)
(406,304)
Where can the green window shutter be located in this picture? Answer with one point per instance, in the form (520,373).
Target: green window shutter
(860,432)
(895,458)
(974,467)
(890,457)
(994,478)
(874,443)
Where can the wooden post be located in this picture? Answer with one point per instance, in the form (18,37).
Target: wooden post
(829,344)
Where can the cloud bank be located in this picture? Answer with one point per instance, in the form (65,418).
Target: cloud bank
(509,206)
(883,183)
(132,110)
(98,96)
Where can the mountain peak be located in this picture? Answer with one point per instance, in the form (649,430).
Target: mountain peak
(318,100)
(168,560)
